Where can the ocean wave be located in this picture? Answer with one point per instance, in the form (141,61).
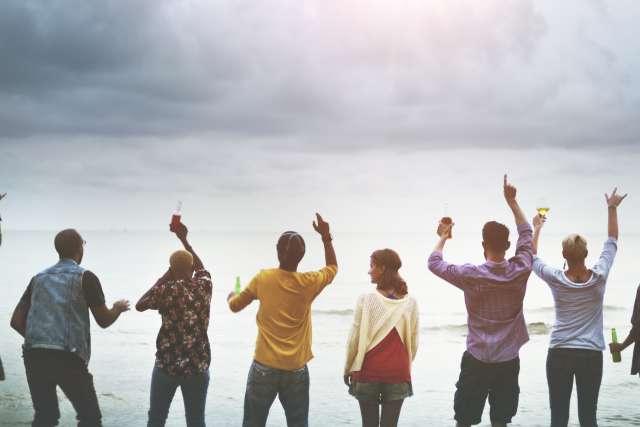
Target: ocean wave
(551,309)
(534,328)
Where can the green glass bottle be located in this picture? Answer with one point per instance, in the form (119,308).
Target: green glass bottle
(616,356)
(238,287)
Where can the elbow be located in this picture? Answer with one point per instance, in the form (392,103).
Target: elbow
(103,323)
(14,325)
(18,326)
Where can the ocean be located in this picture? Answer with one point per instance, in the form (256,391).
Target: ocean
(129,262)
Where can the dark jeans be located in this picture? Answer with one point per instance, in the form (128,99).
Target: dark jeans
(194,395)
(563,364)
(479,380)
(291,387)
(48,369)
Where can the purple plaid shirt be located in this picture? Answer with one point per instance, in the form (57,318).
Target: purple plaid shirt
(493,294)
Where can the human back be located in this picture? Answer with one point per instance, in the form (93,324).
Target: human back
(284,317)
(283,345)
(577,338)
(59,316)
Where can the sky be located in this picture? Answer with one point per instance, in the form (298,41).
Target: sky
(380,114)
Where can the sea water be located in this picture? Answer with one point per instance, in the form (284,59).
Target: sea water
(129,262)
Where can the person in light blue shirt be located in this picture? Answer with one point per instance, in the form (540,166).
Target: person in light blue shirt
(577,339)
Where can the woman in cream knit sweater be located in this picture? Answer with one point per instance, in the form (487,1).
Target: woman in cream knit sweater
(382,344)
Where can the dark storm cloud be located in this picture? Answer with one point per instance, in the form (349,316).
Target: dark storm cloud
(330,74)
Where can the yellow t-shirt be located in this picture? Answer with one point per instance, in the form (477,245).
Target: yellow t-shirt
(284,316)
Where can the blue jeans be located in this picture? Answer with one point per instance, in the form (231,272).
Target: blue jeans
(194,394)
(291,387)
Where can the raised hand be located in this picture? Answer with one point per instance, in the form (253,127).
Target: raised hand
(509,191)
(538,221)
(615,199)
(321,226)
(121,306)
(180,230)
(445,228)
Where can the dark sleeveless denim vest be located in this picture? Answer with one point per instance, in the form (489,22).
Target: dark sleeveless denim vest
(59,316)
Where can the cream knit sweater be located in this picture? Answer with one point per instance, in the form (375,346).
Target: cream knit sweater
(375,316)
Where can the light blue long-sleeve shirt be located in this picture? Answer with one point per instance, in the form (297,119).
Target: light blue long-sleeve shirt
(578,306)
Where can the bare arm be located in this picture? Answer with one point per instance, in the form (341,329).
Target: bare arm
(510,196)
(19,318)
(444,232)
(106,316)
(322,227)
(538,222)
(613,202)
(182,231)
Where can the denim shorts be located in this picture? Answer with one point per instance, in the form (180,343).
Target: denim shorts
(380,392)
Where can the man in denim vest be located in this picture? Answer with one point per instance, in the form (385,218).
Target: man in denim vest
(53,318)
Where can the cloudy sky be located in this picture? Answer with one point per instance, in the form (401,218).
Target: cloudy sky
(382,114)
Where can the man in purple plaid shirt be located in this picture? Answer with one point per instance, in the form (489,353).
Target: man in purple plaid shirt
(493,294)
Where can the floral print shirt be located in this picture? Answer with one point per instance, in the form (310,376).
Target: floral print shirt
(183,344)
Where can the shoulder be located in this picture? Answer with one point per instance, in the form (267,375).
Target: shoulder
(88,275)
(367,297)
(411,303)
(202,274)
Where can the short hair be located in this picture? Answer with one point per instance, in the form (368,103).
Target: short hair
(68,243)
(291,247)
(181,261)
(495,236)
(574,247)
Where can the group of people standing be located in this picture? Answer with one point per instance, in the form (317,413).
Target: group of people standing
(53,317)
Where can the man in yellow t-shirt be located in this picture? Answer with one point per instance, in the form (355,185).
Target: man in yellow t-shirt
(283,345)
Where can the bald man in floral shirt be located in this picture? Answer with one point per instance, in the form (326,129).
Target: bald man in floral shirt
(183,298)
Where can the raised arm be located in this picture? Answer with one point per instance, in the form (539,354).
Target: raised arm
(453,274)
(148,300)
(322,227)
(182,231)
(538,222)
(510,196)
(444,232)
(613,202)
